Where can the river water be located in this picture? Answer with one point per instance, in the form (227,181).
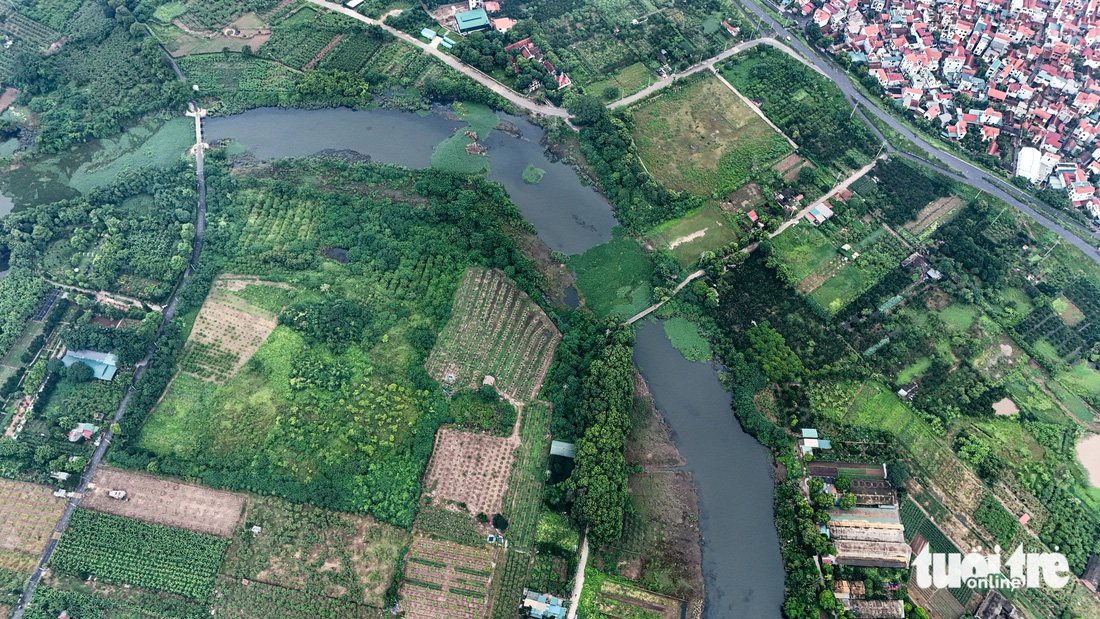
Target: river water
(732,472)
(570,218)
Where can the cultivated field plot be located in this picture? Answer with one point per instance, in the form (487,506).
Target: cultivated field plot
(621,600)
(494,330)
(347,557)
(161,501)
(471,468)
(29,514)
(704,138)
(445,579)
(227,332)
(789,167)
(933,214)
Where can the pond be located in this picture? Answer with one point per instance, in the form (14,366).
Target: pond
(732,472)
(570,217)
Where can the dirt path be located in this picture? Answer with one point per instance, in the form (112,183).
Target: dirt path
(897,236)
(753,107)
(647,311)
(324,52)
(102,296)
(470,72)
(832,192)
(575,599)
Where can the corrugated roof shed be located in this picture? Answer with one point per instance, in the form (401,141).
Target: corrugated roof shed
(468,21)
(559,448)
(878,609)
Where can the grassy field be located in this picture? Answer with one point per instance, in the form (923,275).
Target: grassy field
(918,367)
(628,80)
(615,278)
(138,147)
(803,249)
(704,230)
(347,557)
(703,138)
(959,317)
(1081,379)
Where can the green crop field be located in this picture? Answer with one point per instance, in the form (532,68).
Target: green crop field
(126,551)
(703,138)
(615,278)
(627,80)
(874,262)
(494,330)
(914,370)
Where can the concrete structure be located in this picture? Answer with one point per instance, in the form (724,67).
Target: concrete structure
(1028,165)
(543,605)
(471,21)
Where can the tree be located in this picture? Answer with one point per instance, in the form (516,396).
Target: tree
(586,110)
(897,473)
(843,483)
(847,501)
(79,372)
(611,93)
(500,523)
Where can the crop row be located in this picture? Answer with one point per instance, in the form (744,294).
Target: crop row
(129,551)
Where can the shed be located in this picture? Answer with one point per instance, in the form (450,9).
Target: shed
(809,433)
(470,21)
(82,431)
(428,33)
(878,609)
(559,448)
(351,4)
(1092,571)
(104,365)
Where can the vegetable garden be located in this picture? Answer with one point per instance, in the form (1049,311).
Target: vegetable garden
(442,577)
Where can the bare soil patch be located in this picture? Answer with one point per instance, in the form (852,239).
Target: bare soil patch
(161,501)
(28,514)
(471,468)
(650,443)
(441,574)
(7,98)
(788,168)
(746,198)
(933,213)
(227,332)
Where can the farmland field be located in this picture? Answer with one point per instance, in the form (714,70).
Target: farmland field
(29,514)
(444,577)
(703,138)
(226,333)
(165,502)
(617,597)
(126,551)
(471,468)
(874,262)
(494,330)
(629,80)
(802,249)
(317,551)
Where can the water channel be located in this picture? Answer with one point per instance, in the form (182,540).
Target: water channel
(569,216)
(741,562)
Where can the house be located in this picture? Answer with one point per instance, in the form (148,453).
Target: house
(82,431)
(869,537)
(906,392)
(104,365)
(471,21)
(996,606)
(504,24)
(878,609)
(543,605)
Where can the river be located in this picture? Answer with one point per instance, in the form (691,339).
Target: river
(570,217)
(732,472)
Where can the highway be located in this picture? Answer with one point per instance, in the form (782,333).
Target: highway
(973,175)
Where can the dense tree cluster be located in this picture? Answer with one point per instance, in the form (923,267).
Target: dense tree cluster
(598,482)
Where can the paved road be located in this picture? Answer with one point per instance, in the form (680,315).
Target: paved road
(578,583)
(974,176)
(709,64)
(105,438)
(454,63)
(652,308)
